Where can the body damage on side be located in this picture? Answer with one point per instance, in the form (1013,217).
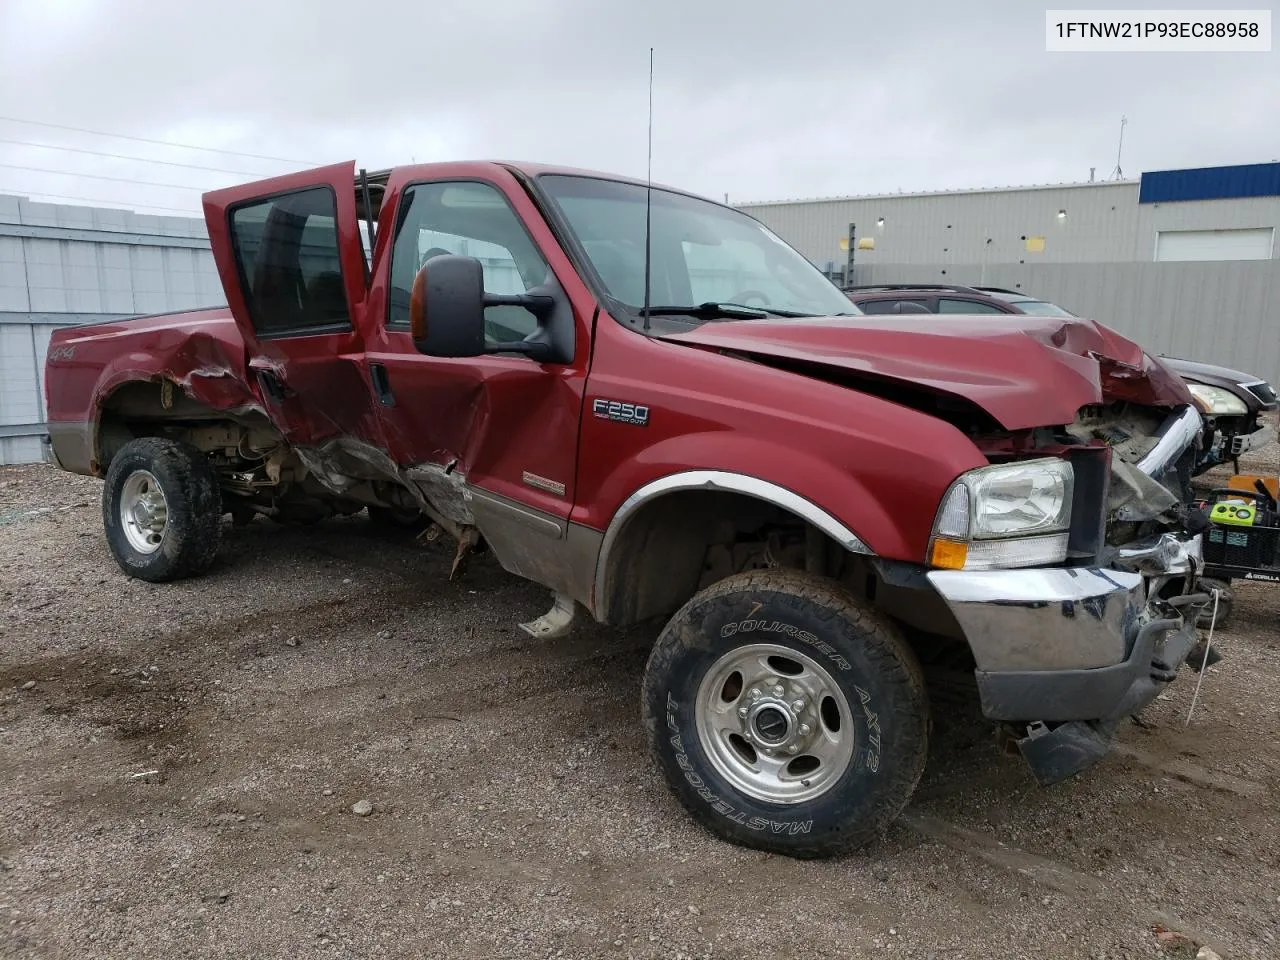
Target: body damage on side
(188,377)
(100,372)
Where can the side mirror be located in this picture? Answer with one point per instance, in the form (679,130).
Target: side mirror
(446,307)
(446,311)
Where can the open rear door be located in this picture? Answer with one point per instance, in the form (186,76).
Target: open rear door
(291,261)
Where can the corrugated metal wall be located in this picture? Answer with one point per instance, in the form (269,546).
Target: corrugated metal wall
(1097,258)
(61,266)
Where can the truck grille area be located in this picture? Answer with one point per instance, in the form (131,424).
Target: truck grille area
(1148,487)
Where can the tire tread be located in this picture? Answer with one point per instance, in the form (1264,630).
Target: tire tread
(194,500)
(883,645)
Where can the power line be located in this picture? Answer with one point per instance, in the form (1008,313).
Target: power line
(100,176)
(121,156)
(163,143)
(132,206)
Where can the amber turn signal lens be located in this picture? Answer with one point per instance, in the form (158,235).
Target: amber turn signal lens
(418,306)
(948,554)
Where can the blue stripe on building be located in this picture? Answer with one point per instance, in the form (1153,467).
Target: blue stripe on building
(1211,183)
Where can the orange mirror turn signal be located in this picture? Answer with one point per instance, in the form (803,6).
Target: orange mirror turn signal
(418,306)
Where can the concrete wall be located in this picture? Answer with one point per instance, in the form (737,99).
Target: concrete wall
(61,266)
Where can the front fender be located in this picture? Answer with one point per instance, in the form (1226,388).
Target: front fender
(893,522)
(719,480)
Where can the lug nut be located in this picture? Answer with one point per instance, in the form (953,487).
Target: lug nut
(793,749)
(755,693)
(804,730)
(797,705)
(777,691)
(742,712)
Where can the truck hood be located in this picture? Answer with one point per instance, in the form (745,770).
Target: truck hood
(1023,371)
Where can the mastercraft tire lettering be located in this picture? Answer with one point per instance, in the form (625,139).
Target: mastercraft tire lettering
(785,715)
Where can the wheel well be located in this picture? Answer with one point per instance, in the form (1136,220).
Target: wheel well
(682,541)
(256,467)
(155,408)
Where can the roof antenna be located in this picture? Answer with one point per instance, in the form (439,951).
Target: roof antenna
(1117,173)
(648,196)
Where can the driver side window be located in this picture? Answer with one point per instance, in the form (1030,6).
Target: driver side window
(473,220)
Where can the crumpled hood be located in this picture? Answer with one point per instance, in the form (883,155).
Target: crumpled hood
(1024,371)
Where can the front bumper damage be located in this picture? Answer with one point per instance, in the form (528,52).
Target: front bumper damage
(1069,651)
(1063,654)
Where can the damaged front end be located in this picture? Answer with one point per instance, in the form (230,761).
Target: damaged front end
(1063,653)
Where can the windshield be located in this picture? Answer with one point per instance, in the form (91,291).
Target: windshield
(1040,308)
(702,253)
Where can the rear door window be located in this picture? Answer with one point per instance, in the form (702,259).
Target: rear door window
(950,305)
(287,254)
(895,305)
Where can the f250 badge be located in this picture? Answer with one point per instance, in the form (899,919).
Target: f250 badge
(633,413)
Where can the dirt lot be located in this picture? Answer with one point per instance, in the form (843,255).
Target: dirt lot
(179,781)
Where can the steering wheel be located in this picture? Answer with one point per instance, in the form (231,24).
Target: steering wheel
(745,297)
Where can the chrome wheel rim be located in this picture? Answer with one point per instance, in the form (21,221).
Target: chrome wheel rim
(774,723)
(144,512)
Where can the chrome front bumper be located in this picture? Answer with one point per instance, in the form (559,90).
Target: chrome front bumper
(1073,643)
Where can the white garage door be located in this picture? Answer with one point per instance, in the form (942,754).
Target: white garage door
(1252,244)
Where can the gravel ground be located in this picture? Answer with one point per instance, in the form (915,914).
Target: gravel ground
(180,781)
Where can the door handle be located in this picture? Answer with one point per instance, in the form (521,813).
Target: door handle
(382,384)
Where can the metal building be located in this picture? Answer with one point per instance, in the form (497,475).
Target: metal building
(1183,261)
(65,265)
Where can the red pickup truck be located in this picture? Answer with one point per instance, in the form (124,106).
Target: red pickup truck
(653,406)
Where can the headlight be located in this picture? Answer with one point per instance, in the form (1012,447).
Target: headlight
(1217,401)
(1008,515)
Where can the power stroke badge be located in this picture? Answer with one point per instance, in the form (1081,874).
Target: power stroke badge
(633,413)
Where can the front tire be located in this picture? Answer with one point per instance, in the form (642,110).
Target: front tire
(786,715)
(162,510)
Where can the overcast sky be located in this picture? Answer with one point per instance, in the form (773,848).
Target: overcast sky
(759,100)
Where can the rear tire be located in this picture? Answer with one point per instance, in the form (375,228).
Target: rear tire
(162,510)
(767,661)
